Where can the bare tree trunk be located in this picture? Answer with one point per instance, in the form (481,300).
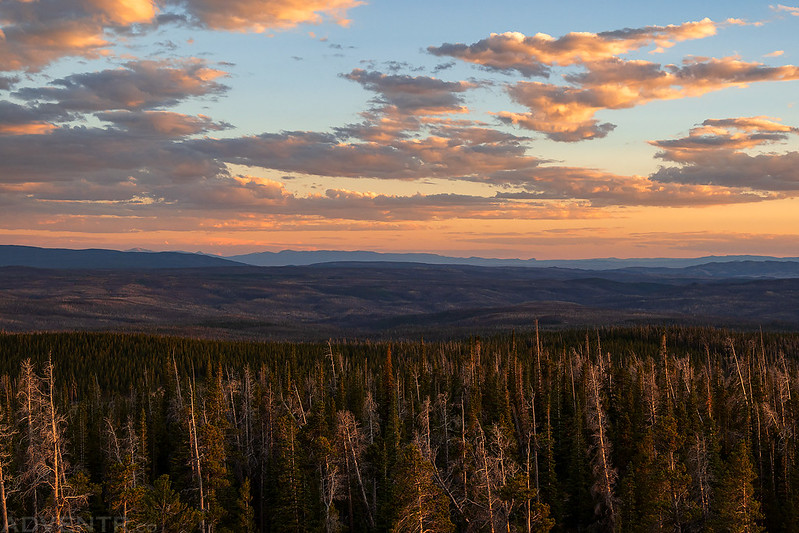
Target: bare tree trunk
(463,450)
(31,395)
(596,419)
(535,447)
(538,355)
(3,507)
(527,480)
(195,450)
(349,490)
(738,368)
(419,506)
(481,448)
(347,421)
(444,400)
(55,434)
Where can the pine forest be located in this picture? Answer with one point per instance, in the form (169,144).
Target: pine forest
(613,429)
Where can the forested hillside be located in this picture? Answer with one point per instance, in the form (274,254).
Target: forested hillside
(614,429)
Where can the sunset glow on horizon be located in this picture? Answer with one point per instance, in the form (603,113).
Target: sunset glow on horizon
(515,131)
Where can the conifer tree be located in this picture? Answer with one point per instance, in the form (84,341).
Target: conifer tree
(421,505)
(737,510)
(212,443)
(389,445)
(125,485)
(290,512)
(245,513)
(163,509)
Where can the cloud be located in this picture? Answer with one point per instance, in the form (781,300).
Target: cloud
(35,33)
(125,175)
(458,153)
(264,15)
(448,154)
(83,155)
(566,113)
(713,154)
(16,119)
(534,55)
(140,85)
(786,9)
(419,95)
(7,82)
(161,123)
(562,113)
(604,189)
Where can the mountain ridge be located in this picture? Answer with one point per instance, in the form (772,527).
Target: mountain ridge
(304,258)
(98,258)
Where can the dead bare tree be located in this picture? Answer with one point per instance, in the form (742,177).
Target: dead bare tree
(7,433)
(604,472)
(351,439)
(45,470)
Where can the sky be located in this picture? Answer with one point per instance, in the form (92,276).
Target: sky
(548,130)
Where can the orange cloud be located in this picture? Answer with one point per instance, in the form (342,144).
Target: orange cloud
(717,135)
(32,46)
(532,55)
(35,33)
(123,12)
(713,155)
(162,123)
(39,128)
(263,15)
(565,113)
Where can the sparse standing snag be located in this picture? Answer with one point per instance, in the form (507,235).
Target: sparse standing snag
(7,433)
(596,420)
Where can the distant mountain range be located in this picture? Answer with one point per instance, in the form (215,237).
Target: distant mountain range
(62,258)
(300,258)
(730,266)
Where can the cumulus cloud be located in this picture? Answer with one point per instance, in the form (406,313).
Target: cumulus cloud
(140,85)
(566,113)
(478,155)
(264,15)
(36,33)
(16,119)
(534,55)
(418,95)
(7,82)
(82,155)
(447,153)
(162,123)
(714,154)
